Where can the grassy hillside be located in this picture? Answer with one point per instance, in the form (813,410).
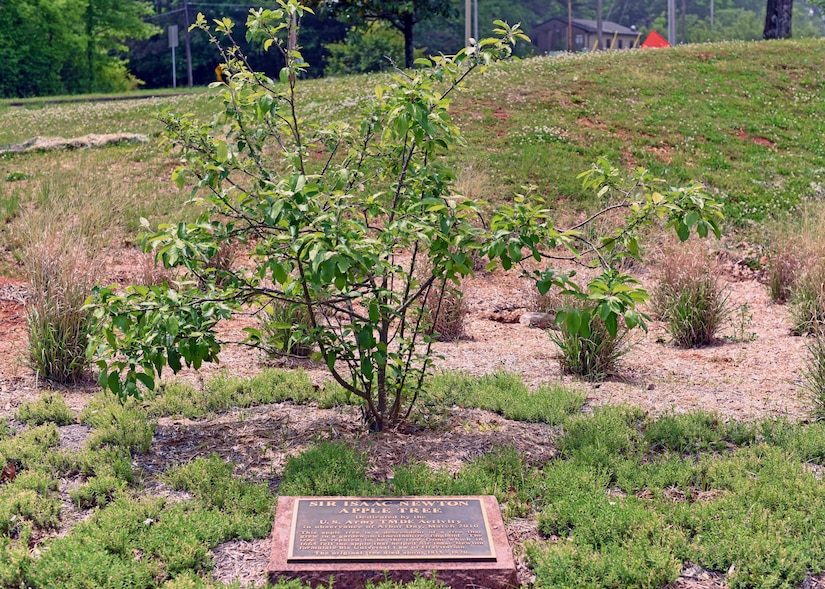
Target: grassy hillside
(746,119)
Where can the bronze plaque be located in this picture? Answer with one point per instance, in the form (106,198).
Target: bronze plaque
(390,528)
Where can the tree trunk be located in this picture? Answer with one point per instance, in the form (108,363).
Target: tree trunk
(569,25)
(778,18)
(409,53)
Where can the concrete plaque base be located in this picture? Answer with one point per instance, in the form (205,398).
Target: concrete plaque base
(354,540)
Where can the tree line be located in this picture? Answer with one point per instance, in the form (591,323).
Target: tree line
(50,47)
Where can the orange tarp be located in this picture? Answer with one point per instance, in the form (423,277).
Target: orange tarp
(654,39)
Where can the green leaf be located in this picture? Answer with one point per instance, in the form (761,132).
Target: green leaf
(573,321)
(146,380)
(691,218)
(612,324)
(683,231)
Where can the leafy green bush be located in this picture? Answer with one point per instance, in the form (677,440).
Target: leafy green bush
(50,407)
(365,50)
(61,278)
(690,299)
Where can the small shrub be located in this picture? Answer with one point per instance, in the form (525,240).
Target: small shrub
(808,301)
(283,325)
(782,269)
(49,408)
(793,243)
(813,375)
(690,299)
(594,355)
(61,278)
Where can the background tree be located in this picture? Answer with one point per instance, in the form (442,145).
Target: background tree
(778,19)
(403,15)
(108,25)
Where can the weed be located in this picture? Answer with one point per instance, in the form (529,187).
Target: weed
(445,312)
(50,407)
(594,356)
(690,299)
(813,375)
(330,468)
(741,321)
(283,325)
(808,301)
(61,278)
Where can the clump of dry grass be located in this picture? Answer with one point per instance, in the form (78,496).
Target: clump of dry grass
(795,246)
(61,276)
(446,317)
(689,297)
(808,300)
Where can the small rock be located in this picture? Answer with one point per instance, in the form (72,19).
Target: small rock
(651,386)
(536,319)
(504,316)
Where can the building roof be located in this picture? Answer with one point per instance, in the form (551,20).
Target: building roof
(590,26)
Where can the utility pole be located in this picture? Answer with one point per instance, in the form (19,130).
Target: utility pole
(475,20)
(671,22)
(468,22)
(684,16)
(186,43)
(570,25)
(599,34)
(711,13)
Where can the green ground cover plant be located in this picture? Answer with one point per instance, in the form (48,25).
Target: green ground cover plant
(628,500)
(50,407)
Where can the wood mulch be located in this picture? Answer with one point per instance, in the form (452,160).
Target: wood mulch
(743,378)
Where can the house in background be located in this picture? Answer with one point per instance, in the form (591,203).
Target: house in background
(551,35)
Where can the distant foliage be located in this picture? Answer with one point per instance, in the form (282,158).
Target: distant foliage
(373,49)
(68,47)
